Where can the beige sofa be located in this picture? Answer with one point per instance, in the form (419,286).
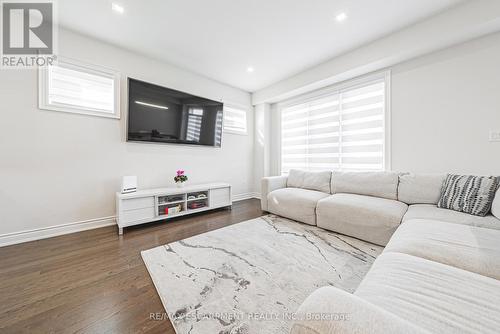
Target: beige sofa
(439,271)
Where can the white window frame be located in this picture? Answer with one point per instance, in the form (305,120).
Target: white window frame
(350,84)
(43,88)
(237,107)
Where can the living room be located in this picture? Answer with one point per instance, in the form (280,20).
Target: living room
(250,167)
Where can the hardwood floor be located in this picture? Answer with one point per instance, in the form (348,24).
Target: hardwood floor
(95,281)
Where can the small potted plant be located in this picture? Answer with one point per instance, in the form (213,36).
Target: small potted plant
(180,178)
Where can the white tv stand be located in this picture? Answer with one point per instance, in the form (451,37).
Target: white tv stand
(150,205)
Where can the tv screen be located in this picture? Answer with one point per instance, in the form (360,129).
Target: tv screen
(162,115)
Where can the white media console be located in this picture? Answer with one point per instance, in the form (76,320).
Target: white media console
(149,205)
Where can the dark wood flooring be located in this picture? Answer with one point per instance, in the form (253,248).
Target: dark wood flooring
(95,281)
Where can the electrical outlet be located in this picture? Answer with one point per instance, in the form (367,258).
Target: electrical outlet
(494,136)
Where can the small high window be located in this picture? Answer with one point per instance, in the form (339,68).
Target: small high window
(75,87)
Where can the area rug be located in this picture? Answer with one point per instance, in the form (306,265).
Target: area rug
(251,277)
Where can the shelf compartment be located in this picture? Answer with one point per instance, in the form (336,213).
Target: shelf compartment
(171,199)
(193,196)
(197,204)
(170,209)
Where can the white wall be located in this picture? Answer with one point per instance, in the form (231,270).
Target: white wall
(443,107)
(262,144)
(58,168)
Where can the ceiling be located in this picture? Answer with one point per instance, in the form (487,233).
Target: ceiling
(221,39)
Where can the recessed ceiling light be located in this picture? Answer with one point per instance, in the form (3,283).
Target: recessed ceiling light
(341,17)
(117,8)
(250,69)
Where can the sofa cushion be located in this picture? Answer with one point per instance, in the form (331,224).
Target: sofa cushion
(364,217)
(295,203)
(319,181)
(469,194)
(437,297)
(331,310)
(379,184)
(495,207)
(432,212)
(420,188)
(470,248)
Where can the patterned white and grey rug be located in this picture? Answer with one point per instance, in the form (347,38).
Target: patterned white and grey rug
(251,277)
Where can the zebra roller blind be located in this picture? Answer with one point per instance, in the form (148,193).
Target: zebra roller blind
(75,87)
(81,89)
(342,130)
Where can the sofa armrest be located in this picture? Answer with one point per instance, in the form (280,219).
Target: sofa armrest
(269,184)
(329,310)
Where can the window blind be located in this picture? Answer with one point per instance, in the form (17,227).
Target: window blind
(80,89)
(235,120)
(343,130)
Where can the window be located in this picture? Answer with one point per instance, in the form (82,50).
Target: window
(79,88)
(235,120)
(343,129)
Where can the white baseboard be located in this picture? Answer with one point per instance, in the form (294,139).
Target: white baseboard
(53,231)
(241,197)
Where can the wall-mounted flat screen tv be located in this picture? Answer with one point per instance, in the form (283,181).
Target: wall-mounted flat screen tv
(162,115)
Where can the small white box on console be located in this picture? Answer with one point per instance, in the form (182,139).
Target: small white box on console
(129,184)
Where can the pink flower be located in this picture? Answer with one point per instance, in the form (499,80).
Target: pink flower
(180,172)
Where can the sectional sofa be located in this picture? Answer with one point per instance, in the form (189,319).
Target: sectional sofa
(439,271)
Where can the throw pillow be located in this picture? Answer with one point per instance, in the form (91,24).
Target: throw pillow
(469,194)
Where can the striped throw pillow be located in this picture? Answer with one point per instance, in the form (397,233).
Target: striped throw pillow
(469,194)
